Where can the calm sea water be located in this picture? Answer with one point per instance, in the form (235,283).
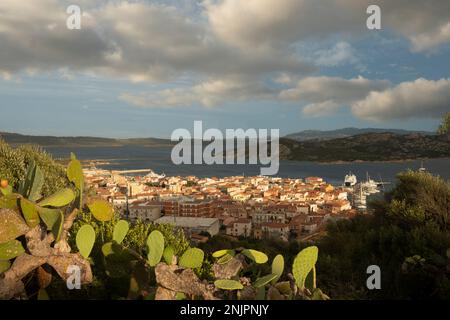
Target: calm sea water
(158,159)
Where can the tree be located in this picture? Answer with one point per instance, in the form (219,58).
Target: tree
(445,125)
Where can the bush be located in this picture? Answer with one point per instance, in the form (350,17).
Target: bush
(15,161)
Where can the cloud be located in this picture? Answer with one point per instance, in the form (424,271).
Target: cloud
(137,41)
(259,23)
(342,53)
(339,90)
(321,109)
(419,98)
(209,93)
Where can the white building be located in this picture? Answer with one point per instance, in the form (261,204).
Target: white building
(192,224)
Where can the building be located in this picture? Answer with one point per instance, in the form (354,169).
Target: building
(192,224)
(239,227)
(275,230)
(146,211)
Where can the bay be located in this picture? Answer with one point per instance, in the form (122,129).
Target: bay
(158,159)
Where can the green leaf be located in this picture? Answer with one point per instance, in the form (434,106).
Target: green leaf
(225,259)
(75,173)
(108,249)
(11,250)
(9,201)
(101,209)
(53,219)
(60,199)
(42,295)
(168,254)
(37,183)
(317,294)
(261,294)
(155,243)
(11,225)
(261,282)
(277,267)
(25,185)
(120,231)
(6,191)
(30,212)
(225,284)
(49,216)
(192,258)
(85,240)
(220,253)
(4,265)
(180,296)
(303,264)
(310,281)
(257,256)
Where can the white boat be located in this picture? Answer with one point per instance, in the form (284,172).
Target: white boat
(152,174)
(370,186)
(350,180)
(422,168)
(359,197)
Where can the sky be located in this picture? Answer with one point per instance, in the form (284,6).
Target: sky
(146,68)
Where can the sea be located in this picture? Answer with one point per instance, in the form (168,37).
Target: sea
(158,159)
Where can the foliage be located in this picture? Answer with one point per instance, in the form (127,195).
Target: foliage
(412,221)
(444,128)
(33,229)
(15,162)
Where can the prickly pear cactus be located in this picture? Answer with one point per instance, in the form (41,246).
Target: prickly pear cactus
(225,284)
(155,243)
(277,267)
(85,240)
(303,264)
(192,258)
(120,231)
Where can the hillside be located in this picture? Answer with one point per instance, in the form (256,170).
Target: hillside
(46,141)
(345,132)
(368,147)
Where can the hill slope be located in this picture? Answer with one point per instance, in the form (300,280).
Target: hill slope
(345,132)
(46,141)
(368,147)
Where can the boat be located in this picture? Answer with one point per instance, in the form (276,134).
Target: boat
(422,168)
(350,180)
(359,197)
(370,186)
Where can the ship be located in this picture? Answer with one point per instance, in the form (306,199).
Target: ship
(422,168)
(350,180)
(370,186)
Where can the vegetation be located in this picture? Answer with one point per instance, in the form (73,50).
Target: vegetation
(116,260)
(407,236)
(368,147)
(444,128)
(15,161)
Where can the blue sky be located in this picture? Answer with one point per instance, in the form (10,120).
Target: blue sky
(145,68)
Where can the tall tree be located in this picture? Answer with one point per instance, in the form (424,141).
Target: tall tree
(445,125)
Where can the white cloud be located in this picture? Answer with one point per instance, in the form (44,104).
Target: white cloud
(321,109)
(342,53)
(325,95)
(321,89)
(138,41)
(419,98)
(209,93)
(256,23)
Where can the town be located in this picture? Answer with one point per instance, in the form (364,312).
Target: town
(252,207)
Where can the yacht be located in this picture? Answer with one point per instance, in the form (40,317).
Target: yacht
(350,180)
(422,168)
(370,186)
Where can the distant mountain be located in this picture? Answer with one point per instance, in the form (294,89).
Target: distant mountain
(47,141)
(368,147)
(345,132)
